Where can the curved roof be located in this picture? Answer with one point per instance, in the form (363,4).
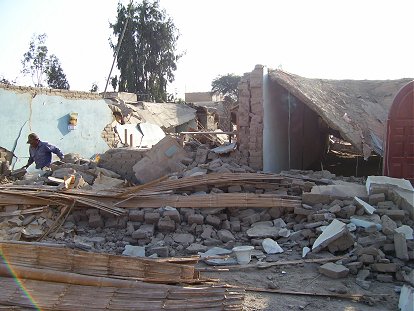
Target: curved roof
(358,109)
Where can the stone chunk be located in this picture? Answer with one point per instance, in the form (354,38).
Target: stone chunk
(388,225)
(251,219)
(313,198)
(161,251)
(342,243)
(263,232)
(374,199)
(136,215)
(213,220)
(183,238)
(144,232)
(302,211)
(235,188)
(225,236)
(384,267)
(152,217)
(334,271)
(96,221)
(173,215)
(166,224)
(195,219)
(385,278)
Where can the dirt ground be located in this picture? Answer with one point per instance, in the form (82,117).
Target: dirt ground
(305,278)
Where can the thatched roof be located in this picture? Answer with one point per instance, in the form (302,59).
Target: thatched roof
(358,109)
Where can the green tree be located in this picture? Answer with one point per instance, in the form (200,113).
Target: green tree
(35,59)
(39,65)
(147,57)
(227,86)
(56,79)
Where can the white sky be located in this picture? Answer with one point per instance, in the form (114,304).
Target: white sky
(352,39)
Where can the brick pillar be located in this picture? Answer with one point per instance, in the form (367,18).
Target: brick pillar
(250,117)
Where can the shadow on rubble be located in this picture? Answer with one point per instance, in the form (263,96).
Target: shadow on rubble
(348,165)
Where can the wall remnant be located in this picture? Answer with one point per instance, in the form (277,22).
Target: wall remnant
(250,118)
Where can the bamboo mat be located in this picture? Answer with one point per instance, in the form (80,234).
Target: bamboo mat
(61,296)
(95,264)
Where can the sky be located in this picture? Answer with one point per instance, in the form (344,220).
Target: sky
(351,39)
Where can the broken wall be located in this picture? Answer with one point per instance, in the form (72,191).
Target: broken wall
(46,112)
(276,131)
(250,118)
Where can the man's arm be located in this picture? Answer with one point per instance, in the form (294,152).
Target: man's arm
(29,162)
(56,151)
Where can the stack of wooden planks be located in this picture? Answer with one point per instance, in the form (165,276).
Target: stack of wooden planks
(161,193)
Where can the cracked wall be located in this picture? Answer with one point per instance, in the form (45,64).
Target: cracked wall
(46,112)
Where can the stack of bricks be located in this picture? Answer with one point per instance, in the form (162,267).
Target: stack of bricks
(110,137)
(121,161)
(250,118)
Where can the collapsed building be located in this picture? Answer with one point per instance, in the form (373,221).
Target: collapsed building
(285,120)
(143,220)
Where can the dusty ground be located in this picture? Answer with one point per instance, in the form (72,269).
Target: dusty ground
(306,278)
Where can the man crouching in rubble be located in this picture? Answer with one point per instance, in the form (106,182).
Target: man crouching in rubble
(41,152)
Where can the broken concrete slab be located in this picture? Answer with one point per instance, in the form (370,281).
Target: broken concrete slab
(333,231)
(343,190)
(375,182)
(164,158)
(271,247)
(405,303)
(367,207)
(367,221)
(406,230)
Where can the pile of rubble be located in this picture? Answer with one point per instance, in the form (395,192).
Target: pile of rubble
(212,202)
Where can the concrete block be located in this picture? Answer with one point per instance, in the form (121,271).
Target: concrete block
(400,244)
(334,271)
